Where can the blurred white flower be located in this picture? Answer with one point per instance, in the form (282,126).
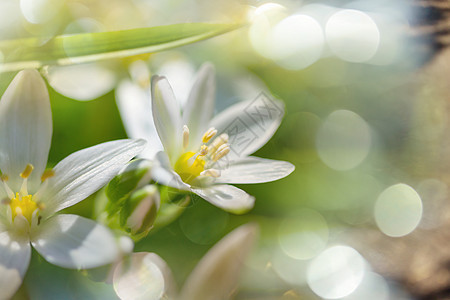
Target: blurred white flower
(197,152)
(32,195)
(146,276)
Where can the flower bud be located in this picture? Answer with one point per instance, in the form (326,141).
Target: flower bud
(139,211)
(134,176)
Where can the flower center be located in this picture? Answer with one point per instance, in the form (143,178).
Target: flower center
(21,203)
(191,165)
(24,206)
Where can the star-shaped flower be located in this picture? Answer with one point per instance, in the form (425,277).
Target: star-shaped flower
(32,195)
(203,153)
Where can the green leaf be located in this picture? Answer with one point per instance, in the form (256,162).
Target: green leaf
(87,47)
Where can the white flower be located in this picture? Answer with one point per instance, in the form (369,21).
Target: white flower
(146,276)
(32,195)
(203,153)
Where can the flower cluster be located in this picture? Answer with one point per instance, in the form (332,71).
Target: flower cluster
(189,150)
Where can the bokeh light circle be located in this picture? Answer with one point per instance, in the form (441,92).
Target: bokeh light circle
(40,11)
(304,236)
(203,224)
(264,20)
(139,278)
(352,35)
(372,287)
(344,140)
(297,42)
(290,270)
(398,210)
(82,82)
(336,272)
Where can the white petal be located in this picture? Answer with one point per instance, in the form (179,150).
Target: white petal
(181,72)
(249,124)
(143,276)
(166,115)
(3,208)
(84,172)
(163,173)
(14,260)
(216,275)
(135,108)
(25,127)
(82,82)
(227,197)
(71,241)
(255,170)
(199,108)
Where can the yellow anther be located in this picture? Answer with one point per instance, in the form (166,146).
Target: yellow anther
(4,177)
(209,134)
(27,171)
(185,136)
(47,174)
(203,150)
(221,152)
(218,141)
(211,172)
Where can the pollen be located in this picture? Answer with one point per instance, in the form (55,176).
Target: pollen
(189,169)
(23,205)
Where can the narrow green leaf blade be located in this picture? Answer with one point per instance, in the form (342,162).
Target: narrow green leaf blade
(88,47)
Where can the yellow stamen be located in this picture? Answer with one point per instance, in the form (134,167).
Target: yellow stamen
(221,152)
(185,136)
(218,141)
(203,150)
(23,205)
(27,172)
(189,170)
(47,174)
(4,177)
(209,134)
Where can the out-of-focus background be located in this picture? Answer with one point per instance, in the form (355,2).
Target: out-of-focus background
(365,215)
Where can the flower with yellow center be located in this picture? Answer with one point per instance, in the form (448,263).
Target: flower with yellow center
(198,152)
(31,195)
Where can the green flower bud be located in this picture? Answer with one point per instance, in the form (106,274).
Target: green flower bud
(139,212)
(134,176)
